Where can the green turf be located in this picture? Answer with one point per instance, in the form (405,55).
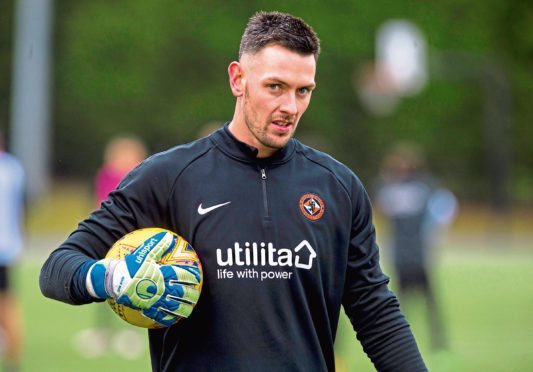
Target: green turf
(487,298)
(51,328)
(487,301)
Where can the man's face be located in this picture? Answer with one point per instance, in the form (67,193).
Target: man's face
(277,89)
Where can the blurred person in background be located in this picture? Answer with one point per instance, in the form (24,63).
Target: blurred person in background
(418,211)
(248,187)
(121,155)
(12,189)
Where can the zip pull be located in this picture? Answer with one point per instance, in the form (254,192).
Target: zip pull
(264,184)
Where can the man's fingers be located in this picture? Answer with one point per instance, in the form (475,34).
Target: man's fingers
(176,274)
(185,294)
(151,250)
(184,310)
(162,242)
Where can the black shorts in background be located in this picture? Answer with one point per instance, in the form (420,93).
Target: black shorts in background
(4,278)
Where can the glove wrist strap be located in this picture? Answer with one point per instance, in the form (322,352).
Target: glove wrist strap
(108,281)
(98,276)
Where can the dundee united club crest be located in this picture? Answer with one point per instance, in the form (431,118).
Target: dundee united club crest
(311,206)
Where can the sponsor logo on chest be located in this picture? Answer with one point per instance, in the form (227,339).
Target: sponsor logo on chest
(263,260)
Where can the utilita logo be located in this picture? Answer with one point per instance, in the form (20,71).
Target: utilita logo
(265,254)
(263,261)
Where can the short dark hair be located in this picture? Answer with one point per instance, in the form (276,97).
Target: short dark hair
(265,28)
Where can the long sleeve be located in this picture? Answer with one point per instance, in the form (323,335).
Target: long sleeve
(371,307)
(63,273)
(56,279)
(61,276)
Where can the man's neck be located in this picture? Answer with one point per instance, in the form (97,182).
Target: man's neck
(240,131)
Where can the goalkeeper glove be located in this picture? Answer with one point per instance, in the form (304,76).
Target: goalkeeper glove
(161,292)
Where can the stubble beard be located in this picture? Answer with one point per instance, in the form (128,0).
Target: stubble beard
(259,130)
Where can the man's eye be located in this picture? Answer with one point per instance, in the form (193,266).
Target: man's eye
(273,87)
(303,91)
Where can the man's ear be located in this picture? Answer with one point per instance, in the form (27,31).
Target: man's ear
(236,78)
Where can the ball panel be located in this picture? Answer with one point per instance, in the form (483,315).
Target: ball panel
(132,316)
(181,254)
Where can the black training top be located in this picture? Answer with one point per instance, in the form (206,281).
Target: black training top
(283,241)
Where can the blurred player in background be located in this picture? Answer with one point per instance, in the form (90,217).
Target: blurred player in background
(284,233)
(12,188)
(418,211)
(121,155)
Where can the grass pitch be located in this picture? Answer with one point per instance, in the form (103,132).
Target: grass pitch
(487,302)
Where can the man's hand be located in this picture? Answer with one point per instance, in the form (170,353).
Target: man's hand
(161,292)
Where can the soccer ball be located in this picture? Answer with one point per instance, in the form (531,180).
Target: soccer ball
(181,254)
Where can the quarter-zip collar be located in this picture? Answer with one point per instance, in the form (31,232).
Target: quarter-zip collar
(244,152)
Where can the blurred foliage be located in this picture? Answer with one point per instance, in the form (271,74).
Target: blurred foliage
(158,70)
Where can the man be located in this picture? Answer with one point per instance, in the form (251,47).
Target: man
(11,244)
(417,208)
(284,232)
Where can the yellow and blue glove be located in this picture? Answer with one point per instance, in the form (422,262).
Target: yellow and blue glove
(161,292)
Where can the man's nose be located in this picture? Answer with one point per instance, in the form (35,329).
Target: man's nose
(288,104)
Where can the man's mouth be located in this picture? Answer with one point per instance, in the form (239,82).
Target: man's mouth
(282,123)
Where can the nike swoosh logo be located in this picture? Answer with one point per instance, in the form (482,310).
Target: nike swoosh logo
(207,210)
